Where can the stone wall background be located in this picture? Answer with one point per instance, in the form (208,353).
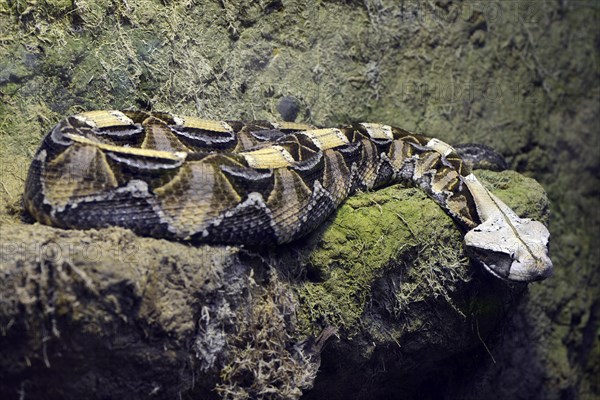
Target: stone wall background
(519,76)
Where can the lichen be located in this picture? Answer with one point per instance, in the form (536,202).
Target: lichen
(518,77)
(263,363)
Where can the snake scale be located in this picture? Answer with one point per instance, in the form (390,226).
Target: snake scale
(258,182)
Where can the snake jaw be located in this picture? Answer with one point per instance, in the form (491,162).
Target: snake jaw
(513,250)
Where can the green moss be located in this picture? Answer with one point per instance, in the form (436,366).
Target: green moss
(371,233)
(399,231)
(524,195)
(344,62)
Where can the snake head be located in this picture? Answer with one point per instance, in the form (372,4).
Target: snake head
(511,248)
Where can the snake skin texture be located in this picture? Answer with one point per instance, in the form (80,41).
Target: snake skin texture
(258,182)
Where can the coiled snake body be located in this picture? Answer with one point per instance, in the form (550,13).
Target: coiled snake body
(257,182)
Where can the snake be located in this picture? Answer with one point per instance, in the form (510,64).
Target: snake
(259,183)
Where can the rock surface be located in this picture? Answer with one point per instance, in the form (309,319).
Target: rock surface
(520,77)
(107,312)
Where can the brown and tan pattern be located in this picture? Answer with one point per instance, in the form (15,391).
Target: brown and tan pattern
(258,182)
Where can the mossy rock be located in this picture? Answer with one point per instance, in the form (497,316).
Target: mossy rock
(387,271)
(520,77)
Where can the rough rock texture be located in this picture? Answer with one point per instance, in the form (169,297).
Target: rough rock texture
(107,312)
